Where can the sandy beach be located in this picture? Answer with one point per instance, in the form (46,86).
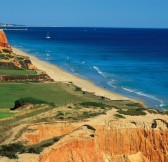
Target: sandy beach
(58,74)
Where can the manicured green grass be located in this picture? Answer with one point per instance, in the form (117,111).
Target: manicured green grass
(58,93)
(16,72)
(5,114)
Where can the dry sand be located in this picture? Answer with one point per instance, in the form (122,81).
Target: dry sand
(60,75)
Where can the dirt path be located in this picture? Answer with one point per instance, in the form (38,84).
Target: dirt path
(14,130)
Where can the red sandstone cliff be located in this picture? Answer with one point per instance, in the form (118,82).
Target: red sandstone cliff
(4,41)
(136,139)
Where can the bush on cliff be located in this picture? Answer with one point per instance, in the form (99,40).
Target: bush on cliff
(94,104)
(12,150)
(29,100)
(6,51)
(78,89)
(132,112)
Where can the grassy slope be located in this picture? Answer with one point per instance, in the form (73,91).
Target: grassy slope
(16,72)
(59,93)
(5,113)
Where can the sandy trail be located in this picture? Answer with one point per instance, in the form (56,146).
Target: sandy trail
(14,130)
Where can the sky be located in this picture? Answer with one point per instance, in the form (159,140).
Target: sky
(86,13)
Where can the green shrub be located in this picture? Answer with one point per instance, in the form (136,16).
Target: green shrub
(56,139)
(94,104)
(60,115)
(11,150)
(78,89)
(132,112)
(119,116)
(35,150)
(134,104)
(47,144)
(6,51)
(29,100)
(86,114)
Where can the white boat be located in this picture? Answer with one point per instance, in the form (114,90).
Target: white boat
(48,36)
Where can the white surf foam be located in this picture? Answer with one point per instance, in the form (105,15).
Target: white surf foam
(128,89)
(145,95)
(111,83)
(99,71)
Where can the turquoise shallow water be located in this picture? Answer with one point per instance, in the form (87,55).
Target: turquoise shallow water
(132,62)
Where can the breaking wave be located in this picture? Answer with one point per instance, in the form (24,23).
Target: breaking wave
(145,95)
(99,71)
(111,83)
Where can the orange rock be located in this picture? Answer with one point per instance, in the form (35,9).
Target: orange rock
(42,132)
(4,41)
(103,144)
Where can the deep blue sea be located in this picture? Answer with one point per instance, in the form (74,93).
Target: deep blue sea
(131,62)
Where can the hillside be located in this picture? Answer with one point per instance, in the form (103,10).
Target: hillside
(105,138)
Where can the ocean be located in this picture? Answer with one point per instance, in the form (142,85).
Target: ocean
(131,62)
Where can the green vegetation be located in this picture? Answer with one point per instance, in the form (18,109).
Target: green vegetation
(6,51)
(153,111)
(58,93)
(132,112)
(16,72)
(134,104)
(5,114)
(87,114)
(94,104)
(76,114)
(12,150)
(119,116)
(78,89)
(29,100)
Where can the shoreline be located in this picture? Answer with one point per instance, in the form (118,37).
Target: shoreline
(61,75)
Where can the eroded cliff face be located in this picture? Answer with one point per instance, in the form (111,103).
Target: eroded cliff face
(78,146)
(113,145)
(13,61)
(120,144)
(117,141)
(134,139)
(39,132)
(4,41)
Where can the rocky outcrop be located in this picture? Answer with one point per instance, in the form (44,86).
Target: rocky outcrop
(39,132)
(78,145)
(13,61)
(102,139)
(28,78)
(111,145)
(4,41)
(114,142)
(119,144)
(17,62)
